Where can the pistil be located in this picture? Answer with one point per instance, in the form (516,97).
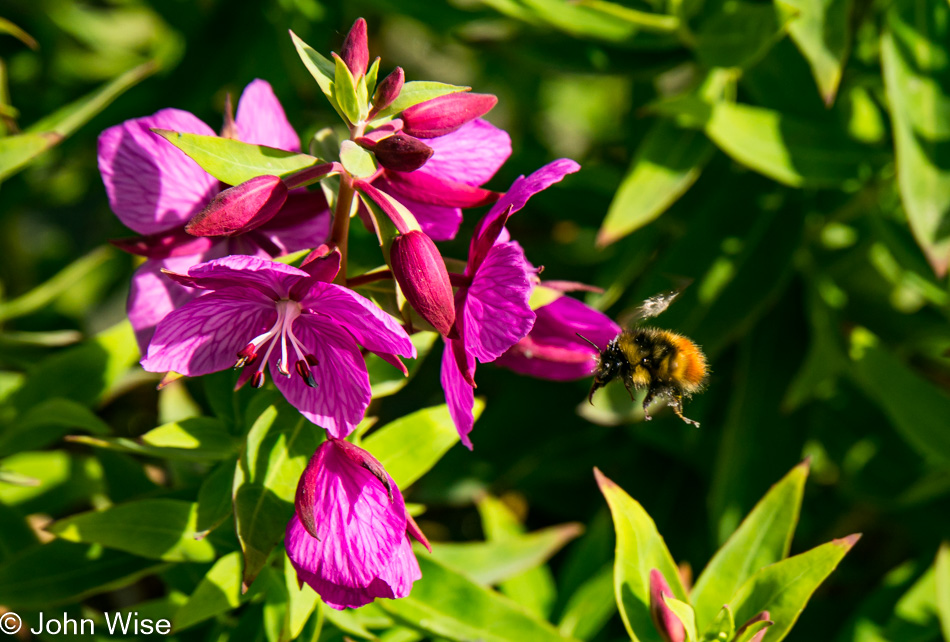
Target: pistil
(281,332)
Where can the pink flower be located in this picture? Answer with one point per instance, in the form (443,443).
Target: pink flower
(258,313)
(155,190)
(553,350)
(491,305)
(349,537)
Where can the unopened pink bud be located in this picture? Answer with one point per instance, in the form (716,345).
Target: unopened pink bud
(762,616)
(402,153)
(420,271)
(445,114)
(240,208)
(355,52)
(665,621)
(388,90)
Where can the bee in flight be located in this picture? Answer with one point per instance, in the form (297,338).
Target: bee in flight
(669,365)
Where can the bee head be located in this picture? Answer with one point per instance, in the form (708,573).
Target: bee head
(608,367)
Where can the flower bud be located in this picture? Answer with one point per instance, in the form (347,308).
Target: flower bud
(355,52)
(240,208)
(445,114)
(388,90)
(762,616)
(665,621)
(402,153)
(420,271)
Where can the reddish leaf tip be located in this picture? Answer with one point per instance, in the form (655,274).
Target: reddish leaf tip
(849,541)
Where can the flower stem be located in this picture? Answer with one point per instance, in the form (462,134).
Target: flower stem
(340,232)
(369,277)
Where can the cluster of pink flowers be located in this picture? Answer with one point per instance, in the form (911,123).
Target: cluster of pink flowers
(209,295)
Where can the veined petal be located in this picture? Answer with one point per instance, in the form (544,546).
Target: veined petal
(343,392)
(267,277)
(432,190)
(459,395)
(402,571)
(153,186)
(471,154)
(496,314)
(261,120)
(371,327)
(206,334)
(152,296)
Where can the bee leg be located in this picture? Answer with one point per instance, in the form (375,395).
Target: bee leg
(676,403)
(628,384)
(646,404)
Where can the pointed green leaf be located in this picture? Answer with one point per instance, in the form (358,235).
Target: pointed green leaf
(214,498)
(9,28)
(667,163)
(640,548)
(319,67)
(344,91)
(917,77)
(369,80)
(822,32)
(19,149)
(722,628)
(418,91)
(302,601)
(684,612)
(195,438)
(46,422)
(233,162)
(447,604)
(409,446)
(154,528)
(642,20)
(784,588)
(942,569)
(763,538)
(218,592)
(590,606)
(357,161)
(741,33)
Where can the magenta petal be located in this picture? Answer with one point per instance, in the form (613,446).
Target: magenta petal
(206,334)
(371,327)
(241,208)
(666,622)
(152,185)
(471,154)
(402,571)
(152,296)
(496,314)
(261,120)
(439,223)
(175,242)
(432,190)
(459,395)
(343,392)
(272,279)
(302,223)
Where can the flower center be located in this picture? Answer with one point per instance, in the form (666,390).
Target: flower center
(280,333)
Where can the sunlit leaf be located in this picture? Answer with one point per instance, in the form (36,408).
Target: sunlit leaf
(590,606)
(822,32)
(942,572)
(684,612)
(218,592)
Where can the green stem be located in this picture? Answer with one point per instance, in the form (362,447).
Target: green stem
(340,232)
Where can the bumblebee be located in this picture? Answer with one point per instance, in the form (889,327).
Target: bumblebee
(669,365)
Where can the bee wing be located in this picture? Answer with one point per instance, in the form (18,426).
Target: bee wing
(652,307)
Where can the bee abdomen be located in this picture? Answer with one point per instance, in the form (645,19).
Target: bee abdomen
(689,367)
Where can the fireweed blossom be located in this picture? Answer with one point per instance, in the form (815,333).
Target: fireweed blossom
(349,537)
(553,350)
(155,189)
(260,313)
(491,305)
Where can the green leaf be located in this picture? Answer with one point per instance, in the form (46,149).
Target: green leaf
(418,91)
(822,32)
(9,28)
(942,571)
(751,631)
(409,446)
(534,588)
(46,422)
(319,67)
(385,380)
(784,588)
(917,78)
(194,439)
(668,162)
(154,528)
(739,33)
(491,562)
(640,548)
(214,498)
(279,445)
(19,149)
(370,79)
(61,572)
(447,604)
(889,383)
(722,628)
(344,91)
(684,612)
(218,592)
(301,603)
(590,606)
(233,162)
(795,152)
(356,160)
(763,538)
(642,20)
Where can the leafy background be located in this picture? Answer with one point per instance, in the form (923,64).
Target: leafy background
(791,158)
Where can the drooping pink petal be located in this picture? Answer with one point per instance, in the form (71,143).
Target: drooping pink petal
(459,395)
(343,391)
(175,242)
(261,120)
(371,327)
(439,223)
(433,190)
(205,335)
(152,186)
(272,279)
(496,314)
(524,188)
(152,296)
(402,571)
(471,154)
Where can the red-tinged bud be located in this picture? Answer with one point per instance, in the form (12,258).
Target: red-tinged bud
(420,271)
(445,114)
(355,52)
(387,91)
(402,153)
(762,616)
(241,208)
(665,621)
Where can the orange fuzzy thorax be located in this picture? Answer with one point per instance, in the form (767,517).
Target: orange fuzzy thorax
(689,367)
